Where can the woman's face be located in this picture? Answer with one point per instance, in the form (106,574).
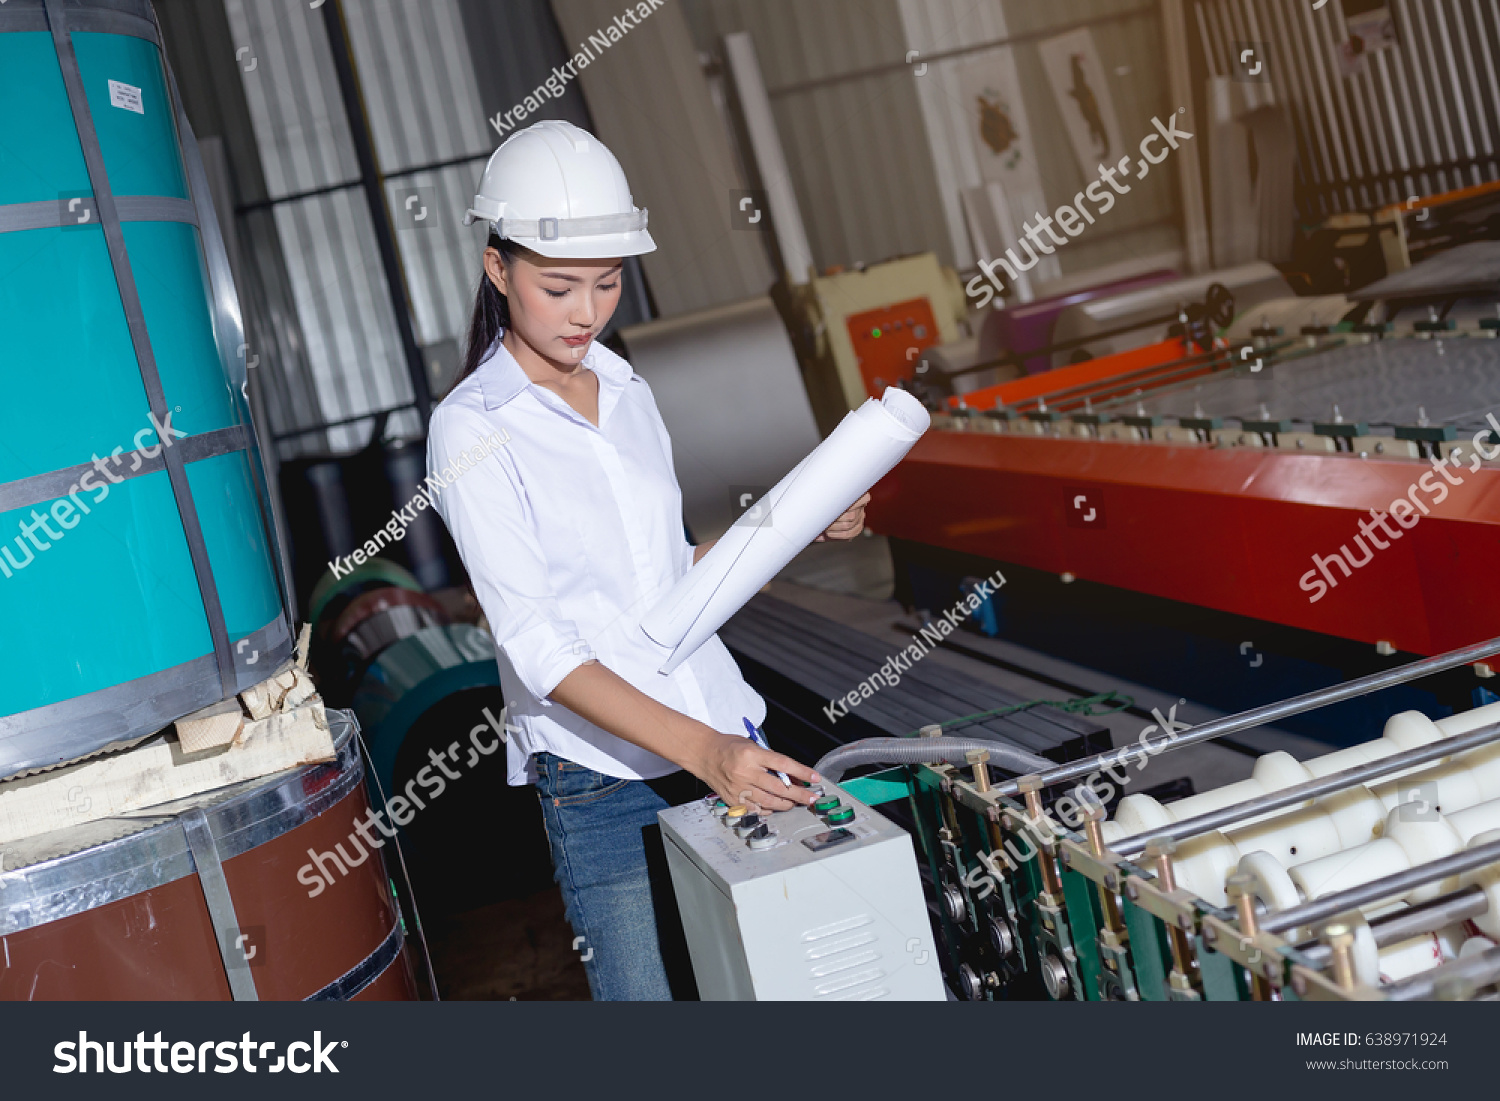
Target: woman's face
(557,307)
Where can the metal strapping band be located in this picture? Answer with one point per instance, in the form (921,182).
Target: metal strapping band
(230,328)
(362,974)
(72,871)
(56,213)
(114,236)
(22,20)
(41,737)
(131,464)
(200,839)
(87,22)
(155,208)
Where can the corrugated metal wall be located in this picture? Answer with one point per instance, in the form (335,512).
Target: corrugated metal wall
(856,144)
(1129,37)
(651,104)
(878,169)
(349,346)
(424,107)
(1418,119)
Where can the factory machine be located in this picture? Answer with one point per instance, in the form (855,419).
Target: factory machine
(1210,489)
(1321,471)
(1369,873)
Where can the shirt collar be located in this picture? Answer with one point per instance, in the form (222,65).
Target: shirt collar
(501,377)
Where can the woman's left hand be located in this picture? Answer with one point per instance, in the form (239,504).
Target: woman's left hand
(849,525)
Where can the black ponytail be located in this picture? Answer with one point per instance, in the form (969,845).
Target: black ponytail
(491,312)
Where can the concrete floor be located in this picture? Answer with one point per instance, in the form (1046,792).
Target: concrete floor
(517,950)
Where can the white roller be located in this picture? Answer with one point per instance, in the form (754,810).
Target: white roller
(1342,821)
(865,446)
(1475,945)
(1278,891)
(1488,922)
(1407,843)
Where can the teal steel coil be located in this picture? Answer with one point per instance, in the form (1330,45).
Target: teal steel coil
(139,577)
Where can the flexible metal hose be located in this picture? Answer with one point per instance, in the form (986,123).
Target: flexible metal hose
(925,751)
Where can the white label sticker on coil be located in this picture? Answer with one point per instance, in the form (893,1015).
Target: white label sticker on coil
(127,96)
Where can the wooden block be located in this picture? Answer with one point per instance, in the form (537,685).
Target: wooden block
(214,726)
(304,646)
(289,687)
(302,690)
(160,771)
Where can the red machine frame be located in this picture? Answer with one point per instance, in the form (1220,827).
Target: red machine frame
(1232,529)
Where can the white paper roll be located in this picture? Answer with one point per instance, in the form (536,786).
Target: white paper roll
(865,446)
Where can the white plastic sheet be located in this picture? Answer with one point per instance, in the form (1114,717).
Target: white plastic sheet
(861,450)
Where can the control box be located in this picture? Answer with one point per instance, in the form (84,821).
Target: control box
(821,903)
(889,341)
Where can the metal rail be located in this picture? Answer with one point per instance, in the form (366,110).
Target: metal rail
(1415,921)
(1300,793)
(1475,972)
(1429,917)
(1386,887)
(1269,713)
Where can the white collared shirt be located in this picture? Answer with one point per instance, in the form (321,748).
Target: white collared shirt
(570,533)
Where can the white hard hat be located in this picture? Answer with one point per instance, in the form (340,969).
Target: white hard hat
(556,190)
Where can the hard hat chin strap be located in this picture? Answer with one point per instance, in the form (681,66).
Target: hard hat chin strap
(554,229)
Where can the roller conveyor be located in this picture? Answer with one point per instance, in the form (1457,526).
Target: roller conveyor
(1385,885)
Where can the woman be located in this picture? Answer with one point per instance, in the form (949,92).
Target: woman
(570,533)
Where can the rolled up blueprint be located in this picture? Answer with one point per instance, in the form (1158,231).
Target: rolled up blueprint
(861,450)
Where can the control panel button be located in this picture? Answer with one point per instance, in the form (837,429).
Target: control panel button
(746,825)
(761,837)
(827,840)
(827,805)
(734,815)
(841,816)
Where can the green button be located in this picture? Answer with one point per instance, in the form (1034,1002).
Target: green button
(827,804)
(840,816)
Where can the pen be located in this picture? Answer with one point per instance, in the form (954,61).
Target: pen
(760,739)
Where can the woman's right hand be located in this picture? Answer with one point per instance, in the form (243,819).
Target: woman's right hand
(737,769)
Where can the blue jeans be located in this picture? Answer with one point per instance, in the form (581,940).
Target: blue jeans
(597,826)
